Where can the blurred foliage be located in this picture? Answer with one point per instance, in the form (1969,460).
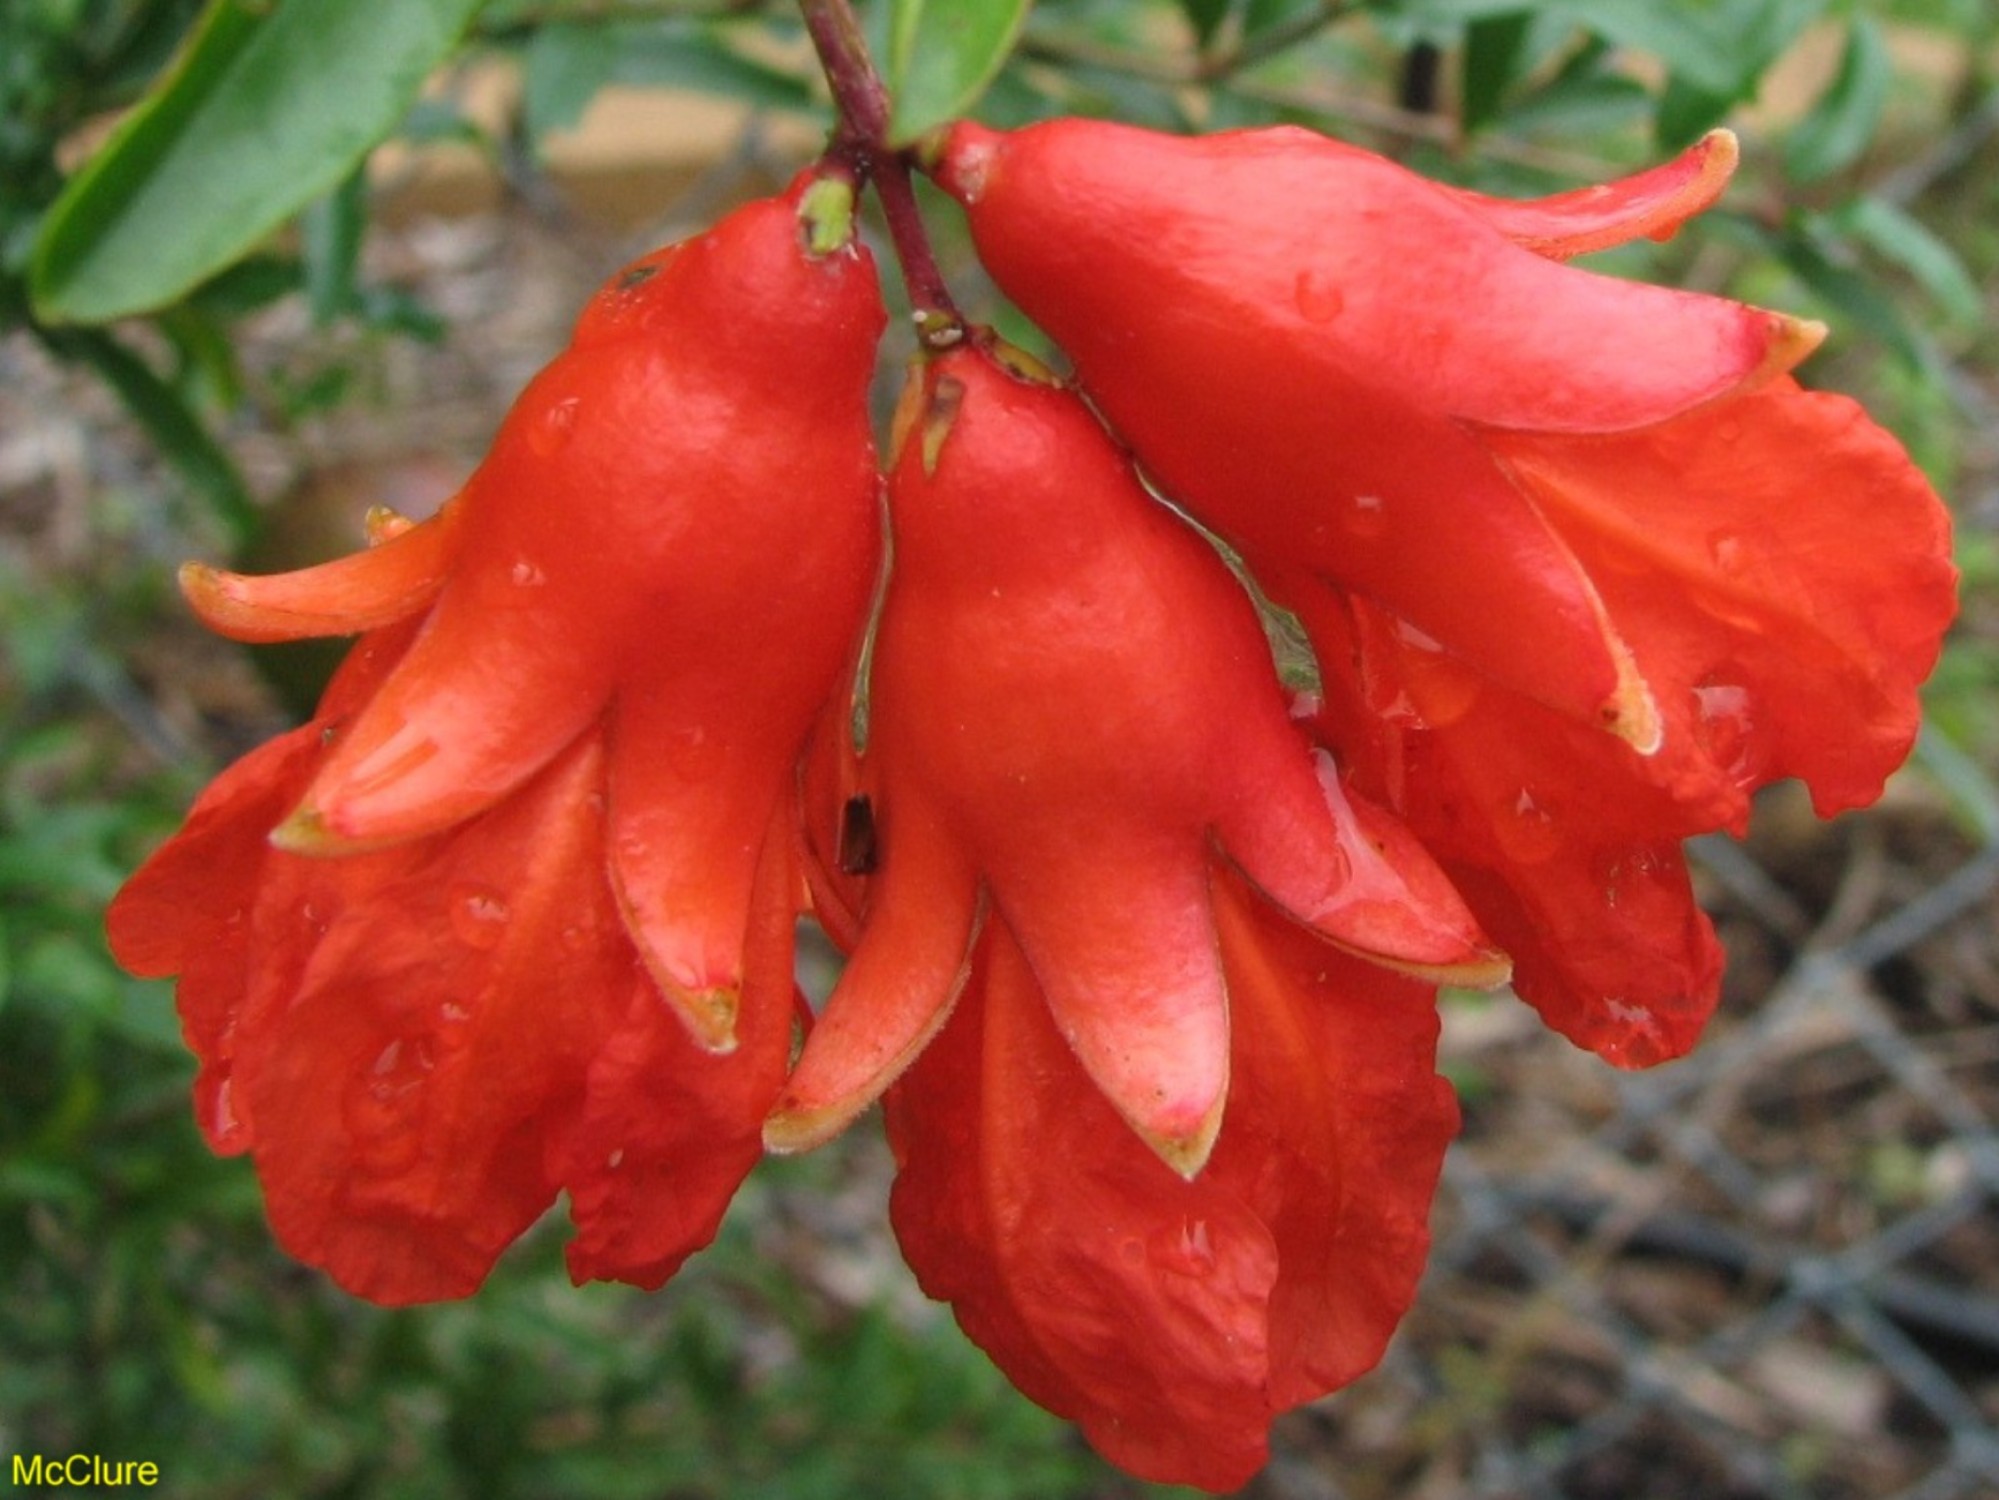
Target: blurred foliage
(143,1312)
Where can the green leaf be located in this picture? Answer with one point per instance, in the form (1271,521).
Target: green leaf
(330,232)
(566,66)
(1687,111)
(1261,15)
(158,408)
(1819,256)
(1895,236)
(1205,16)
(1495,48)
(1846,115)
(267,107)
(942,54)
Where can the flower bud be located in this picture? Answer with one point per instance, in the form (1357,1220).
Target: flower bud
(1071,710)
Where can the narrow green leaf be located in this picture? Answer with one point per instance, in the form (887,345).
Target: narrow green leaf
(267,107)
(942,54)
(1495,47)
(566,66)
(1261,15)
(182,440)
(1816,254)
(1897,237)
(1686,111)
(1205,16)
(561,72)
(330,235)
(1846,115)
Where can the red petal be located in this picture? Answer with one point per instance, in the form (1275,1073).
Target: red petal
(1652,203)
(491,690)
(187,911)
(692,790)
(1559,839)
(1354,873)
(1404,508)
(669,1130)
(1109,1289)
(194,883)
(1121,940)
(440,1031)
(1608,945)
(1173,1319)
(1782,571)
(897,989)
(362,591)
(1336,1133)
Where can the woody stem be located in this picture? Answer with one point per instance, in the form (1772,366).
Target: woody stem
(861,143)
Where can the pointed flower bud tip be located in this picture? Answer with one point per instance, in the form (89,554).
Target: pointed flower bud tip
(305,832)
(709,1014)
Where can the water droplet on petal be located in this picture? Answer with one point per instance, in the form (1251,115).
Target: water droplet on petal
(478,915)
(555,428)
(1725,729)
(1526,829)
(1441,688)
(1183,1249)
(525,574)
(1367,515)
(1729,551)
(1318,296)
(222,1122)
(1412,636)
(383,1103)
(1625,873)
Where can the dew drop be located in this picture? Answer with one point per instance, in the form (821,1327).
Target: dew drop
(1626,873)
(557,425)
(222,1122)
(525,574)
(1185,1249)
(1441,688)
(1366,515)
(1526,829)
(383,1101)
(1725,728)
(478,915)
(1318,296)
(1729,551)
(1421,640)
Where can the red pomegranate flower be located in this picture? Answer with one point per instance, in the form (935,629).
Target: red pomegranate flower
(1172,1155)
(1071,708)
(1516,504)
(554,784)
